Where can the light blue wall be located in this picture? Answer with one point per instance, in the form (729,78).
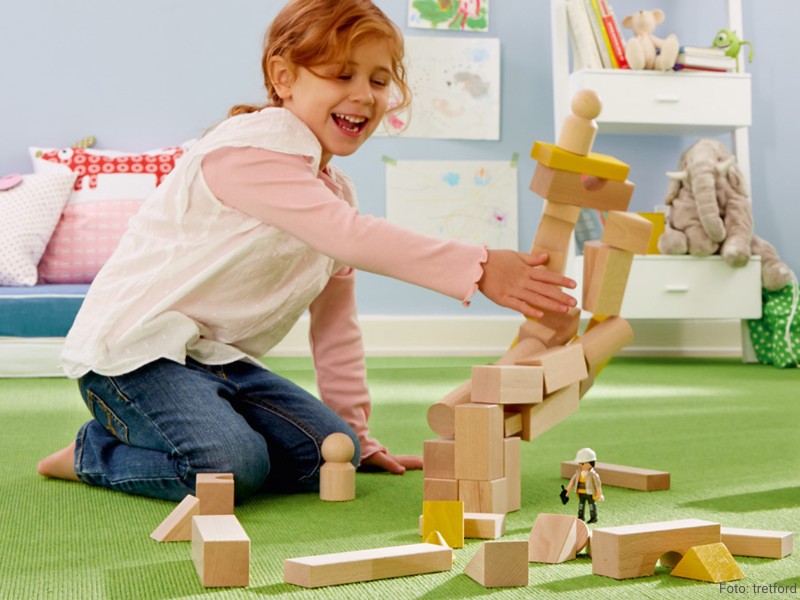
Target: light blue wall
(146,73)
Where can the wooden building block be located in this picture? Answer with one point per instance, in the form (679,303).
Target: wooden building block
(215,492)
(177,527)
(479,442)
(556,407)
(574,189)
(627,231)
(512,451)
(220,551)
(507,384)
(633,550)
(367,565)
(440,489)
(439,459)
(710,562)
(562,365)
(605,277)
(446,517)
(565,212)
(553,236)
(512,423)
(757,542)
(593,163)
(582,536)
(441,414)
(632,478)
(487,526)
(484,496)
(603,339)
(579,128)
(434,537)
(500,564)
(553,539)
(337,476)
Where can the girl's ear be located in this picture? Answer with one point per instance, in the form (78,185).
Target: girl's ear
(282,76)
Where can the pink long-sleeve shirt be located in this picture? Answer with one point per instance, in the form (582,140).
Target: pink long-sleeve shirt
(239,241)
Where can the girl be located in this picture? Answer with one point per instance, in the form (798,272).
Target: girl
(252,228)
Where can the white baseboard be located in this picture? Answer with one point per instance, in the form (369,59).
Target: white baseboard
(429,336)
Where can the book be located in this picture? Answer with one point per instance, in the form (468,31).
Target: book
(614,37)
(606,41)
(720,63)
(598,31)
(585,51)
(703,51)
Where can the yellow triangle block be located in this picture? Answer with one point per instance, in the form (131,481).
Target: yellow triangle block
(436,538)
(712,562)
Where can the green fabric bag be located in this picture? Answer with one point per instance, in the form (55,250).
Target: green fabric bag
(776,335)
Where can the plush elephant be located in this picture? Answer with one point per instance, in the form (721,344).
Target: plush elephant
(710,213)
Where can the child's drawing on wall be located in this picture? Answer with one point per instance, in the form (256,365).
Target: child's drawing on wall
(460,15)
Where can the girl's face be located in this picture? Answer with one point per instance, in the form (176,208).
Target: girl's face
(341,107)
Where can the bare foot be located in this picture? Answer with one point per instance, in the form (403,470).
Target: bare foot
(60,465)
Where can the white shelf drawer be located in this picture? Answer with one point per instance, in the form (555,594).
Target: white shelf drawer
(673,102)
(685,287)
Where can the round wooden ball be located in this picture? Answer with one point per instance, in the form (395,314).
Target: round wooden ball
(338,447)
(586,104)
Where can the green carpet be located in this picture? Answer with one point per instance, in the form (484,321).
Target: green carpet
(727,432)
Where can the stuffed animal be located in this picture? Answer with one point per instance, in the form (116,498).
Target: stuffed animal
(710,213)
(646,51)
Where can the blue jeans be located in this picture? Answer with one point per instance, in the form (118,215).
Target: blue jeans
(155,428)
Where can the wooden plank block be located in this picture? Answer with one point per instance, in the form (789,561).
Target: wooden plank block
(562,365)
(538,418)
(512,453)
(573,189)
(500,564)
(633,550)
(487,526)
(594,163)
(220,551)
(512,423)
(760,543)
(177,527)
(439,458)
(479,442)
(440,489)
(367,565)
(605,277)
(215,492)
(627,231)
(632,478)
(553,539)
(446,517)
(710,562)
(484,496)
(507,384)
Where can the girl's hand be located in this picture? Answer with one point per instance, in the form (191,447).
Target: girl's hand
(512,279)
(383,461)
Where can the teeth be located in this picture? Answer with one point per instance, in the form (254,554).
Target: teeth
(357,120)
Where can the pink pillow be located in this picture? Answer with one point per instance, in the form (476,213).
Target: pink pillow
(109,190)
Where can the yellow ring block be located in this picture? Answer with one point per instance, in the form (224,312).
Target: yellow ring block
(599,165)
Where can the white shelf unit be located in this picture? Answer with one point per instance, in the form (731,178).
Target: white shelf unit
(671,103)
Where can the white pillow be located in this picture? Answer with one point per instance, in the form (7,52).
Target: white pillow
(29,214)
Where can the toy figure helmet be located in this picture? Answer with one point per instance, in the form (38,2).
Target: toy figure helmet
(585,455)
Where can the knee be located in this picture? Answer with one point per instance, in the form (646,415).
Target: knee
(246,458)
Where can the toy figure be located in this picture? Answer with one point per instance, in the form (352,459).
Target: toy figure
(586,482)
(728,40)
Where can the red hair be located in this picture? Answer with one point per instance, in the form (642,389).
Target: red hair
(309,33)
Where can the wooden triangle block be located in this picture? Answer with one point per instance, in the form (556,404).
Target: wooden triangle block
(553,539)
(177,527)
(500,564)
(711,562)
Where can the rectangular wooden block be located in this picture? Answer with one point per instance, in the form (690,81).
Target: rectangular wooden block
(220,551)
(603,338)
(553,236)
(571,188)
(367,565)
(565,212)
(599,165)
(440,489)
(177,527)
(633,478)
(512,423)
(439,458)
(633,550)
(605,277)
(556,407)
(562,365)
(479,441)
(486,526)
(484,496)
(507,384)
(513,470)
(215,492)
(627,231)
(757,542)
(446,517)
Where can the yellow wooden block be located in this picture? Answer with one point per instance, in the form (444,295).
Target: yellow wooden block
(659,224)
(436,538)
(710,562)
(599,165)
(577,190)
(446,517)
(627,231)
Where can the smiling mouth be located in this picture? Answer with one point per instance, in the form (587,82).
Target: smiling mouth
(350,123)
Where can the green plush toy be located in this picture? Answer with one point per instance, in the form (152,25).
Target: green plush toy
(727,40)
